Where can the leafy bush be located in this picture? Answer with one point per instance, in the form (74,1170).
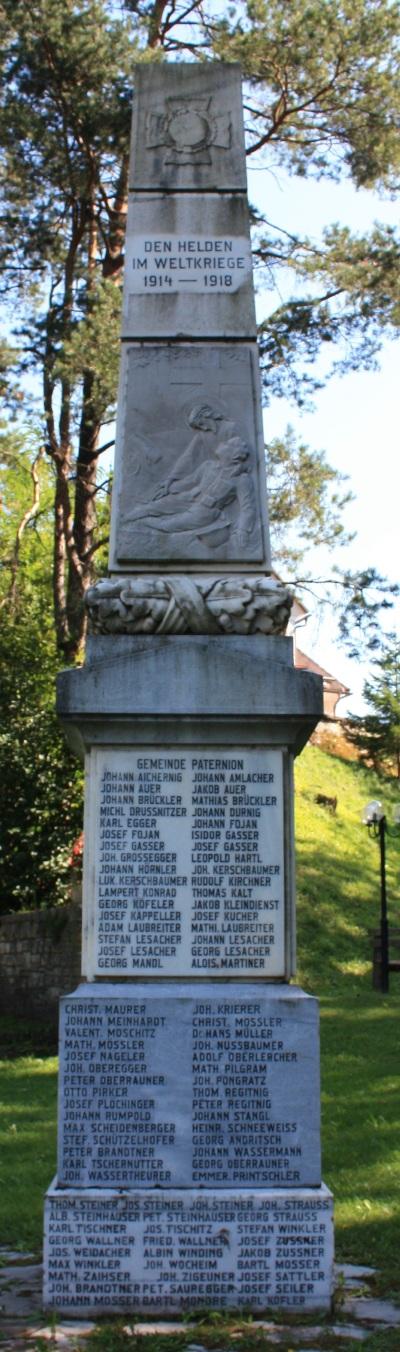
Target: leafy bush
(40,781)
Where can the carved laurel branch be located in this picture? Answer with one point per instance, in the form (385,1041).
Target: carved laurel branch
(188,605)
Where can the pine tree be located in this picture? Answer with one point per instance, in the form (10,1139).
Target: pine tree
(321,95)
(377,734)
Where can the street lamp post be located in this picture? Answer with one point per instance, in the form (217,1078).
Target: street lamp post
(384,919)
(374,818)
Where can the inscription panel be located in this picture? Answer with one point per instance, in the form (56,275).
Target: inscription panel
(176,1090)
(188,268)
(160,1254)
(165,263)
(190,469)
(184,863)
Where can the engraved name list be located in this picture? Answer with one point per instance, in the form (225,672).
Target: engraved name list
(186,851)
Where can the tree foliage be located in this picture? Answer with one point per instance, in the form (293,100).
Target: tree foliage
(306,500)
(26,522)
(40,784)
(321,97)
(64,127)
(350,302)
(377,734)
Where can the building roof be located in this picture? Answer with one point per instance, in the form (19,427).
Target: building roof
(308,664)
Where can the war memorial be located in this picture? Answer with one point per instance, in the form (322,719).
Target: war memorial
(189,1167)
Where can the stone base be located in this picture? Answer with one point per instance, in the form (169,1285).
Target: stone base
(163,1252)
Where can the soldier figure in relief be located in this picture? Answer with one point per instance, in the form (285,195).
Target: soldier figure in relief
(210,497)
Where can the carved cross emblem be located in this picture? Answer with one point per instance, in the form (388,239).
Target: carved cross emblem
(188,128)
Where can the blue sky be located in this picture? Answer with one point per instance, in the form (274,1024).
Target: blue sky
(355,418)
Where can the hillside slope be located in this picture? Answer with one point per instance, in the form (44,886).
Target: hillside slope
(338,886)
(338,882)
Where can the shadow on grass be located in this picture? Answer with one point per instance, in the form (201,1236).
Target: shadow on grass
(378,1241)
(360,1126)
(28,1091)
(27,1037)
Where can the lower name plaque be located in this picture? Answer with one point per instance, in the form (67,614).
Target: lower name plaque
(159,1253)
(184,863)
(187,1086)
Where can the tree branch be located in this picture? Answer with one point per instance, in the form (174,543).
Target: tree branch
(28,516)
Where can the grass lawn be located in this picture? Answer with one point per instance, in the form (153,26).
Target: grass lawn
(338,890)
(28,1124)
(230,1335)
(338,905)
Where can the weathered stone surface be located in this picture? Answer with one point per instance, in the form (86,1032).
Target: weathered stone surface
(162,1252)
(20,1292)
(182,605)
(188,128)
(221,690)
(373,1311)
(178,1086)
(185,863)
(189,1143)
(189,471)
(40,959)
(352,1272)
(188,267)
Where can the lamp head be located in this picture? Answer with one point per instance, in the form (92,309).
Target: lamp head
(372,813)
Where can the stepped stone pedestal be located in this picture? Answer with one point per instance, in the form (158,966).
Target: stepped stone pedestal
(189,1165)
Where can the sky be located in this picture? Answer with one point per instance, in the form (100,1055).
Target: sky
(355,418)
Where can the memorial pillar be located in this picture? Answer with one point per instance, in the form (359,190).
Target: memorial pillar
(189,1170)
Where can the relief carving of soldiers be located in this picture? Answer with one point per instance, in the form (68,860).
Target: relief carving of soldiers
(209,492)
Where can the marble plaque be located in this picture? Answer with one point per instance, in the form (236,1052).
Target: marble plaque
(190,470)
(159,1254)
(188,267)
(184,863)
(181,1086)
(187,130)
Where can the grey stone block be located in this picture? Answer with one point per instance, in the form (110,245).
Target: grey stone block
(189,470)
(187,865)
(188,267)
(187,131)
(189,688)
(373,1311)
(160,1253)
(181,1086)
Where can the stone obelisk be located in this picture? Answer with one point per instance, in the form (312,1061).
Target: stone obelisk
(189,1169)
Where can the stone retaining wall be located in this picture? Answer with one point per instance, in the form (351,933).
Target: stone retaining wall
(40,959)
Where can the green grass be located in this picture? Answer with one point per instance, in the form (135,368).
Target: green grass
(338,873)
(28,1089)
(338,905)
(338,889)
(232,1335)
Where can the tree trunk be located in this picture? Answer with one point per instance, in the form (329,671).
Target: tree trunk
(84,520)
(62,519)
